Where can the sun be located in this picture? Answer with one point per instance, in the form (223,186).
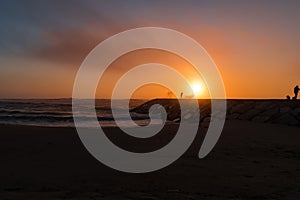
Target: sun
(197,89)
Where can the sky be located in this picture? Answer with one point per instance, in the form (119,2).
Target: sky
(255,44)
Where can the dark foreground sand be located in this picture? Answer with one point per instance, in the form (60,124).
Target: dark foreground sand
(250,161)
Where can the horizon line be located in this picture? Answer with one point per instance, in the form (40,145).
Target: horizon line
(70,98)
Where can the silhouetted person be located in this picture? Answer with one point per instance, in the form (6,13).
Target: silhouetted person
(181,94)
(296,91)
(288,97)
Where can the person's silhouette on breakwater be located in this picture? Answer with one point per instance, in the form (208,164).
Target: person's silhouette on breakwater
(296,91)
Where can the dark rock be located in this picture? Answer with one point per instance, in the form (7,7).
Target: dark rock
(205,123)
(264,105)
(233,116)
(287,119)
(261,118)
(296,112)
(241,108)
(285,109)
(187,116)
(177,120)
(270,112)
(250,114)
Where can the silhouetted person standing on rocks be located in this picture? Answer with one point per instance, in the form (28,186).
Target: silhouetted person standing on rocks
(296,91)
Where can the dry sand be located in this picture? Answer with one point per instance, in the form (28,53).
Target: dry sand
(250,161)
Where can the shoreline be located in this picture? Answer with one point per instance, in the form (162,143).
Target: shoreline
(45,113)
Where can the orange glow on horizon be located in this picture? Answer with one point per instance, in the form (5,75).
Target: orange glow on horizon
(252,66)
(135,58)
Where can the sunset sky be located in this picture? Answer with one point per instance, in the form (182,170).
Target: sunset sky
(255,44)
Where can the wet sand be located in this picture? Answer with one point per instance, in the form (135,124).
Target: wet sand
(250,161)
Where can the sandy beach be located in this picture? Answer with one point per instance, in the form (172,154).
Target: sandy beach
(250,161)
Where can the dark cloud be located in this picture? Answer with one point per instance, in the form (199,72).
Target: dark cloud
(59,32)
(65,31)
(71,46)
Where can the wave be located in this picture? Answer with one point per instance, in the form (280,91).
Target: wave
(24,112)
(65,118)
(53,112)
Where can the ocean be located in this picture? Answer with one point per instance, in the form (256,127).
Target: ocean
(58,113)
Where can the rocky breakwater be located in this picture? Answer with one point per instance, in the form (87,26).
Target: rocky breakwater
(264,111)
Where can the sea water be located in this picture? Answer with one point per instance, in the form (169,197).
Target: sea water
(58,113)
